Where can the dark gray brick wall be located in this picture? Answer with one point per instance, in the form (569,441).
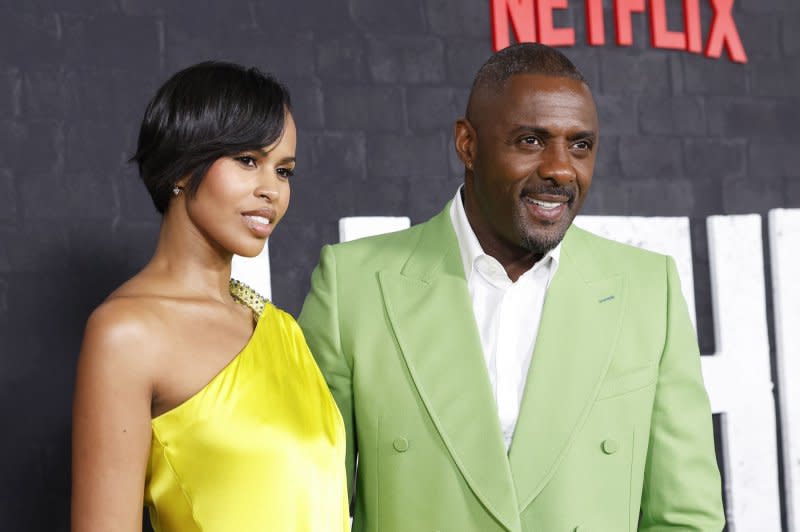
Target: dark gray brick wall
(377,85)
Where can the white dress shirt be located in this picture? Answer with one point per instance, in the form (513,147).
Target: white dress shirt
(507,314)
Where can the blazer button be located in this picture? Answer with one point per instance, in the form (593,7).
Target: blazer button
(400,445)
(610,446)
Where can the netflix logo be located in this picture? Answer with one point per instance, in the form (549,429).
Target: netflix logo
(532,21)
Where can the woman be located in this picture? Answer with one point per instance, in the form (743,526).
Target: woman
(193,393)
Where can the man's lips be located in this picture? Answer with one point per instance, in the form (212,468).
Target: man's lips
(557,194)
(547,207)
(547,201)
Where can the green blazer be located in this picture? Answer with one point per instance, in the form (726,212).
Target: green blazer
(614,430)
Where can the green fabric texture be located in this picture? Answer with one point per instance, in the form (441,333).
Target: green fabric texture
(614,431)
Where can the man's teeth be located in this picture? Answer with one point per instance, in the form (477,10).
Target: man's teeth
(545,204)
(259,219)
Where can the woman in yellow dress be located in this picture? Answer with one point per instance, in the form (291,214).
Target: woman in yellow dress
(194,396)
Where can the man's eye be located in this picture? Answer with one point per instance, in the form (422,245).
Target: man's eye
(285,172)
(583,145)
(247,161)
(531,140)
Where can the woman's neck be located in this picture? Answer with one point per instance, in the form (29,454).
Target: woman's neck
(189,259)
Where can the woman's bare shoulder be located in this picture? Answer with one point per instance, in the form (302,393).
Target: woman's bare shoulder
(123,319)
(127,331)
(135,310)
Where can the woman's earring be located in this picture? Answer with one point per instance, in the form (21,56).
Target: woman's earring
(176,190)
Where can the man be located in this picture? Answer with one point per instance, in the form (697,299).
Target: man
(500,369)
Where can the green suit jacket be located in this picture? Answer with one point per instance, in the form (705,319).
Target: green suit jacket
(614,429)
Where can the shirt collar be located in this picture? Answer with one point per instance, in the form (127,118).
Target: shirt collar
(471,249)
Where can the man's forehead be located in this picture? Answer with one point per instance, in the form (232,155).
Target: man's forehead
(530,88)
(537,100)
(527,94)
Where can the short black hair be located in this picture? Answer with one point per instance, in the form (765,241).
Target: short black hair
(206,111)
(522,58)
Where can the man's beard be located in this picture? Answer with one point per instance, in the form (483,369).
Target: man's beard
(538,243)
(541,242)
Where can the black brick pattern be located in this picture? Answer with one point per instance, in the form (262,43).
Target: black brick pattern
(376,85)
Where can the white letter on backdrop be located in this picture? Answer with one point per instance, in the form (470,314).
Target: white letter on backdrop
(784,240)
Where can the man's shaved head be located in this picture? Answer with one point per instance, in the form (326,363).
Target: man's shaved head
(528,144)
(523,58)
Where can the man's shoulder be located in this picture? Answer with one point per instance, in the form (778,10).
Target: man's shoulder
(382,242)
(387,247)
(615,254)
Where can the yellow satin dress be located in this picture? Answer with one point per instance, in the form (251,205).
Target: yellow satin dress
(260,448)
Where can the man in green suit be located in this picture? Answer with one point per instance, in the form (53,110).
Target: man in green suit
(499,369)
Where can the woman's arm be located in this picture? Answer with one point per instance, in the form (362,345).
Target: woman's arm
(111,420)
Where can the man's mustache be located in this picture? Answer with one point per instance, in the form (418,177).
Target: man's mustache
(566,192)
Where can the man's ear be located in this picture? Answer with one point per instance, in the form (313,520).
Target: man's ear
(465,142)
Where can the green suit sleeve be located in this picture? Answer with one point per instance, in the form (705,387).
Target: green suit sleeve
(682,489)
(319,320)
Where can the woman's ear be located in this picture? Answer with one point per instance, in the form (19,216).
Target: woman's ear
(180,185)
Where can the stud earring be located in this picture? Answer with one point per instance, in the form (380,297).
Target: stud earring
(176,190)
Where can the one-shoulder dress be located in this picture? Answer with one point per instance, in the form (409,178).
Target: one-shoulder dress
(259,448)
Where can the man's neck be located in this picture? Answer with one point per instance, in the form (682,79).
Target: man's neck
(516,260)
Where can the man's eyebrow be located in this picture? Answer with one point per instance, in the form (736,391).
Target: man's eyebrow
(538,131)
(546,133)
(582,135)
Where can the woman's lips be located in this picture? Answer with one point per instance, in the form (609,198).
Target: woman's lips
(259,225)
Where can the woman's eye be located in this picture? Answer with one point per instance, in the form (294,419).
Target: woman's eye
(285,172)
(247,161)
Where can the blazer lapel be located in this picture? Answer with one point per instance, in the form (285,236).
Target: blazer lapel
(430,311)
(580,323)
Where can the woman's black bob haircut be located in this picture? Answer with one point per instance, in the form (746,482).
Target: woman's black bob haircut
(204,112)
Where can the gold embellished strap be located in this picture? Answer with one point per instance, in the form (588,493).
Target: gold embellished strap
(248,296)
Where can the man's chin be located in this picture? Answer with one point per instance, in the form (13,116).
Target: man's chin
(543,239)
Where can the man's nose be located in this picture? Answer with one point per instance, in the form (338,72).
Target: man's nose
(556,164)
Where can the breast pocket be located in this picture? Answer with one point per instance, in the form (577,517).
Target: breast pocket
(628,382)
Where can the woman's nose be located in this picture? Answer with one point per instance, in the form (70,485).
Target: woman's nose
(268,194)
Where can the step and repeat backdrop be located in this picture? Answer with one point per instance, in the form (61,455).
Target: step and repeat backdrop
(699,108)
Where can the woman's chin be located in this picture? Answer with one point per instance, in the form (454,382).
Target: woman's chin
(251,249)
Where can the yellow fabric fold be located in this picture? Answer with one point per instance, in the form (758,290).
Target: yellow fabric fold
(259,448)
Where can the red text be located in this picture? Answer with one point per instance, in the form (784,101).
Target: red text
(532,21)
